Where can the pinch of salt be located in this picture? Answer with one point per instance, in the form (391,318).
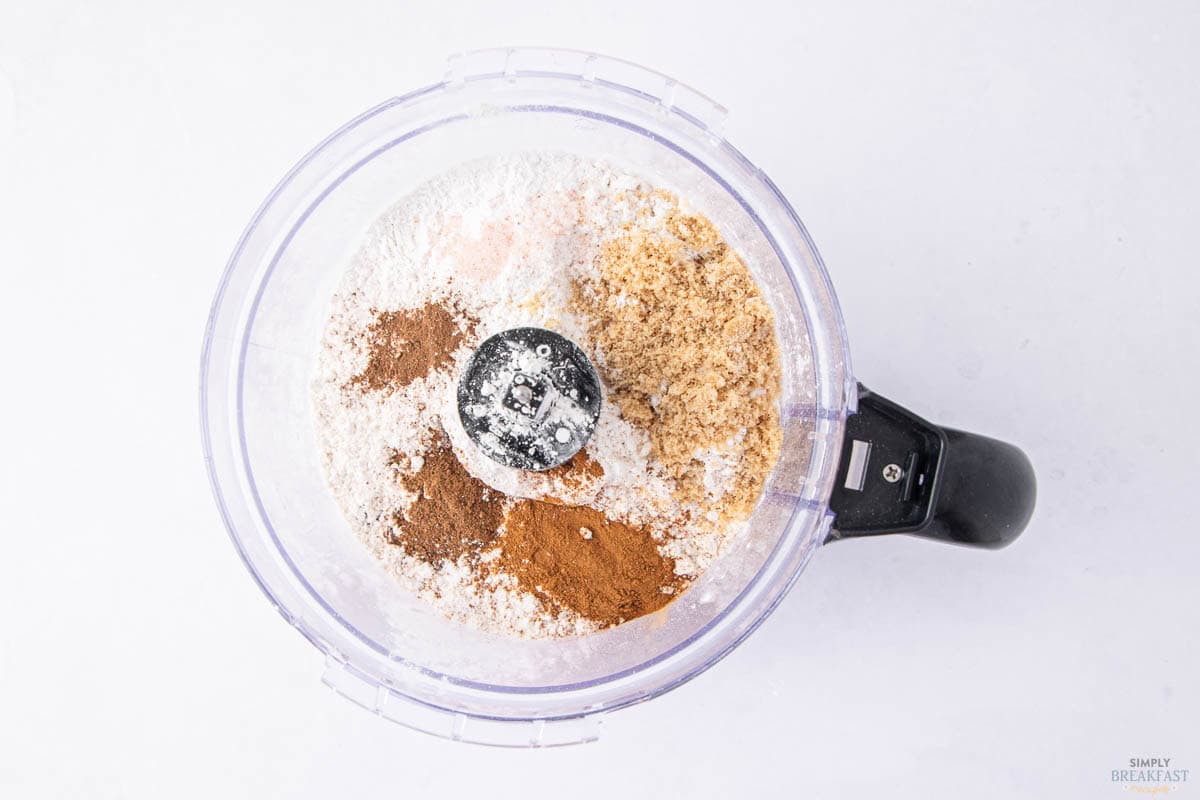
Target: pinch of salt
(586,533)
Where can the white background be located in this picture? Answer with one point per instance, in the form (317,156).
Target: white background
(1006,194)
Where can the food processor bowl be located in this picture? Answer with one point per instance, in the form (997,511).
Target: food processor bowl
(385,649)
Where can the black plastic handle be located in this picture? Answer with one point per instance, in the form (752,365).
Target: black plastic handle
(901,474)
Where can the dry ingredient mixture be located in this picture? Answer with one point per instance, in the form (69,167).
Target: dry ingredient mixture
(667,311)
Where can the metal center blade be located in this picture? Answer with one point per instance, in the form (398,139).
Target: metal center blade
(529,398)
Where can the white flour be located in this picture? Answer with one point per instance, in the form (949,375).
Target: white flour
(502,238)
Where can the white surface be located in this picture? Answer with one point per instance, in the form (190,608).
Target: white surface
(1006,195)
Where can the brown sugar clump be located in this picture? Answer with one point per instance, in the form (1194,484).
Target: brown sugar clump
(579,559)
(404,346)
(455,514)
(688,351)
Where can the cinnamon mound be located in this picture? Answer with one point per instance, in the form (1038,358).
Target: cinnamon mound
(579,559)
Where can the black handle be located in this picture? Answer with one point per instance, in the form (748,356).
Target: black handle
(901,474)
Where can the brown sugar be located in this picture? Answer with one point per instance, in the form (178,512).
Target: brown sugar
(688,351)
(404,346)
(578,559)
(455,514)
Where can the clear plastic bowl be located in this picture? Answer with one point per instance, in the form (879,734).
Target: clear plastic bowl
(386,650)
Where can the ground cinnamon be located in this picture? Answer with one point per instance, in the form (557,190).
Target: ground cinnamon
(578,559)
(404,346)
